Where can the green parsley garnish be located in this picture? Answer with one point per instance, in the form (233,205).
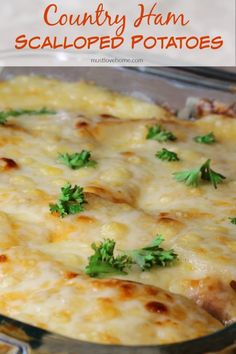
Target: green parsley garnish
(104,263)
(157,132)
(77,160)
(205,139)
(208,174)
(4,115)
(152,255)
(189,177)
(167,155)
(71,201)
(233,221)
(193,177)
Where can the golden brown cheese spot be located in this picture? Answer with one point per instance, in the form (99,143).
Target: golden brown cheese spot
(193,283)
(150,290)
(107,116)
(17,128)
(186,214)
(128,154)
(84,219)
(82,124)
(108,338)
(104,309)
(222,203)
(99,191)
(3,258)
(62,230)
(7,140)
(97,285)
(233,285)
(178,312)
(114,283)
(169,297)
(63,316)
(108,307)
(156,307)
(71,275)
(167,221)
(164,215)
(127,290)
(223,240)
(7,164)
(83,129)
(115,197)
(192,213)
(169,226)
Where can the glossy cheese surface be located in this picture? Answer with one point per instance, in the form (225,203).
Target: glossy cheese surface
(132,196)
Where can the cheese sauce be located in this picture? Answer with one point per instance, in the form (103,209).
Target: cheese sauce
(132,196)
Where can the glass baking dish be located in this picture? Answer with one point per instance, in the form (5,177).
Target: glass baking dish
(221,79)
(160,87)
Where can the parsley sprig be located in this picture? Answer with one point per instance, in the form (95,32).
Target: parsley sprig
(4,115)
(205,139)
(103,262)
(233,221)
(71,201)
(157,132)
(167,155)
(77,160)
(194,176)
(152,255)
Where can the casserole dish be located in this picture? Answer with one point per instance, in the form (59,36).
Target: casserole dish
(22,338)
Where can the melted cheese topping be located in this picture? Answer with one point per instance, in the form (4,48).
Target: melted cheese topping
(131,197)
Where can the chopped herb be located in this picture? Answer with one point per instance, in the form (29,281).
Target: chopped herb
(71,201)
(233,221)
(209,175)
(193,177)
(77,160)
(167,155)
(103,262)
(152,255)
(4,115)
(205,139)
(157,132)
(189,177)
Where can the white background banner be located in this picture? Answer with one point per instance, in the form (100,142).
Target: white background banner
(117,32)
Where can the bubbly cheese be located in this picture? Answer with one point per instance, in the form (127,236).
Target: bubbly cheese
(109,311)
(131,197)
